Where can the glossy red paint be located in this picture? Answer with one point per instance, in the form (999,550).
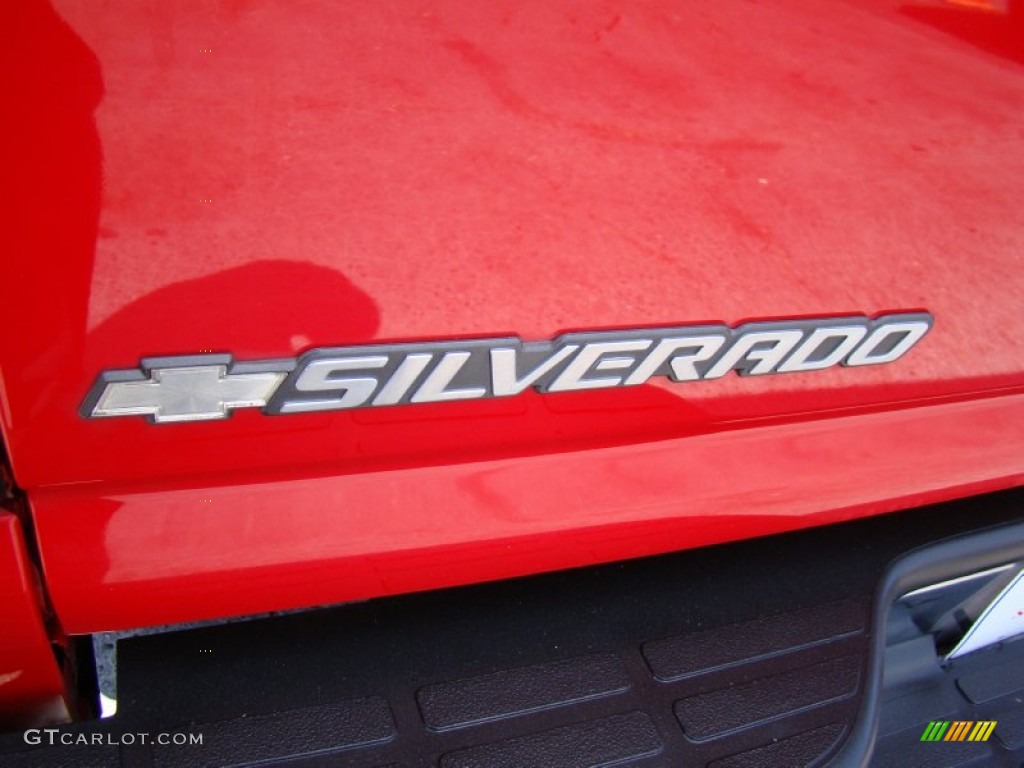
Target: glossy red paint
(31,683)
(157,555)
(262,177)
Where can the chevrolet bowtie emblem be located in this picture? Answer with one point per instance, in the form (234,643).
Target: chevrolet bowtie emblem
(187,393)
(200,387)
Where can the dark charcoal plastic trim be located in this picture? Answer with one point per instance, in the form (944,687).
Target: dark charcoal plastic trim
(949,559)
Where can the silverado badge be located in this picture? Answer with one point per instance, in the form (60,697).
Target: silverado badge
(201,387)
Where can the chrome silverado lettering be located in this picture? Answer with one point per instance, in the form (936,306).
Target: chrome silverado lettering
(573,376)
(203,387)
(504,377)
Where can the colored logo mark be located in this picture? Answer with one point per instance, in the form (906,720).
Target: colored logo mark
(958,730)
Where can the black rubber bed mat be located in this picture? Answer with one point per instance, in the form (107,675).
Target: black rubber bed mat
(759,653)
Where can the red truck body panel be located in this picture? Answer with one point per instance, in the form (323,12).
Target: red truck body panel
(262,178)
(151,555)
(32,686)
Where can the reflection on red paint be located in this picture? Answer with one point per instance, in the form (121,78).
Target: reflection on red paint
(155,555)
(265,177)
